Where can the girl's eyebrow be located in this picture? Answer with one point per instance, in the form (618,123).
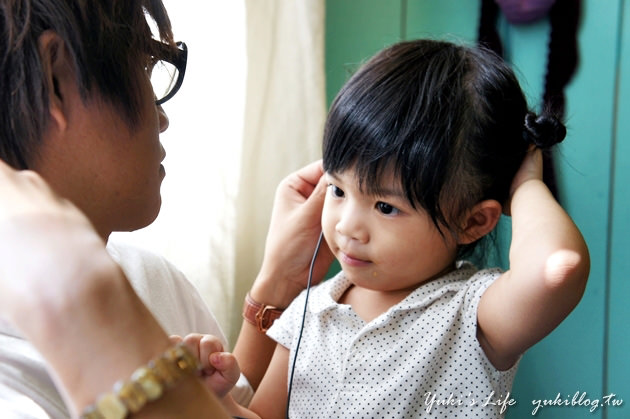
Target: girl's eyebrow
(335,178)
(391,192)
(332,175)
(380,191)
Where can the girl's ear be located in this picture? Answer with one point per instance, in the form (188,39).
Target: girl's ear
(57,73)
(479,221)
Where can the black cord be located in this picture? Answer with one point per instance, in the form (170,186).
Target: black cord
(297,347)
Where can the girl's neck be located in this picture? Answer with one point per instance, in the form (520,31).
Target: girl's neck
(369,304)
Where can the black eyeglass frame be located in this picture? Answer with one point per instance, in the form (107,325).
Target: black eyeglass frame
(179,60)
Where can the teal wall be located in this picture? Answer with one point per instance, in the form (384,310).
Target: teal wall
(590,351)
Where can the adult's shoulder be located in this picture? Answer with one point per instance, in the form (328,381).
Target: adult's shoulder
(133,257)
(171,297)
(150,274)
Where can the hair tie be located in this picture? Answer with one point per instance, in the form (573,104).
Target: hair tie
(543,130)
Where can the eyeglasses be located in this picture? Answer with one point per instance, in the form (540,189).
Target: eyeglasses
(167,71)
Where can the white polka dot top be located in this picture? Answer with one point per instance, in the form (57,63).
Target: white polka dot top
(419,359)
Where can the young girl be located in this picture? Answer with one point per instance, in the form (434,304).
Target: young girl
(422,151)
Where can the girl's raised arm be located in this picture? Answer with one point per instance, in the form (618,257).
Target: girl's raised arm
(549,266)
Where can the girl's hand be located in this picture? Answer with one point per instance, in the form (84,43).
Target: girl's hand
(220,370)
(293,232)
(531,169)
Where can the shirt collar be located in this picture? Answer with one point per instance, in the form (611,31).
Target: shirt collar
(425,294)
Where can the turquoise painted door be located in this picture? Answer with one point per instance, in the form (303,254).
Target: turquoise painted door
(587,355)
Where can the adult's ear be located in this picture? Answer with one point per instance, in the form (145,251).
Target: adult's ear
(479,221)
(57,74)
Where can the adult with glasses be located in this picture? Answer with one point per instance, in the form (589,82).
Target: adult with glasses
(84,323)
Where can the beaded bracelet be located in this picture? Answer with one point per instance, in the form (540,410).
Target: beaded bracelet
(146,384)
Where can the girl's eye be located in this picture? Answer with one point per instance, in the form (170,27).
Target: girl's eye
(335,191)
(387,209)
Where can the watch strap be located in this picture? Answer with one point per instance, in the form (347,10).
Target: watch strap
(260,315)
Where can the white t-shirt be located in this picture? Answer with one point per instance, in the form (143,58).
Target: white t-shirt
(27,391)
(419,359)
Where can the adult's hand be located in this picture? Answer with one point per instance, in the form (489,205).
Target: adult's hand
(43,239)
(59,286)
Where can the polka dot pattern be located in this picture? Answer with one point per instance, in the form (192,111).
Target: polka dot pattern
(419,359)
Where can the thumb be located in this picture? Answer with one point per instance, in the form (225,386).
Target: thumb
(315,202)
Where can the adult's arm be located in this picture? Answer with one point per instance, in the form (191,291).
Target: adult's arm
(294,229)
(60,287)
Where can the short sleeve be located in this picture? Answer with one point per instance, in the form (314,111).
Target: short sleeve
(284,328)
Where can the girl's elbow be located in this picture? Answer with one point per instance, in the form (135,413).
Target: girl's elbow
(568,270)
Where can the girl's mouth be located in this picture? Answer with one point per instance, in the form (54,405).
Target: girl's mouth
(352,261)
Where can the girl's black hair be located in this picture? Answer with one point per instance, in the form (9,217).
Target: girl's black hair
(451,121)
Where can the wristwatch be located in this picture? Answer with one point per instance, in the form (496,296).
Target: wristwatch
(260,315)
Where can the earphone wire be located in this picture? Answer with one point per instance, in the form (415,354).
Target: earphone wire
(297,346)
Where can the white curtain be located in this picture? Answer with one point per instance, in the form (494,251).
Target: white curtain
(250,111)
(284,119)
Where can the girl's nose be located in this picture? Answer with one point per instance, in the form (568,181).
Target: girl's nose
(352,225)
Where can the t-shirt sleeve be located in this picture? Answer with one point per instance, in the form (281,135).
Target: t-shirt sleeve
(284,329)
(478,284)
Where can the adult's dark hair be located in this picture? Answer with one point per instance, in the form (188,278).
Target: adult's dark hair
(109,42)
(450,120)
